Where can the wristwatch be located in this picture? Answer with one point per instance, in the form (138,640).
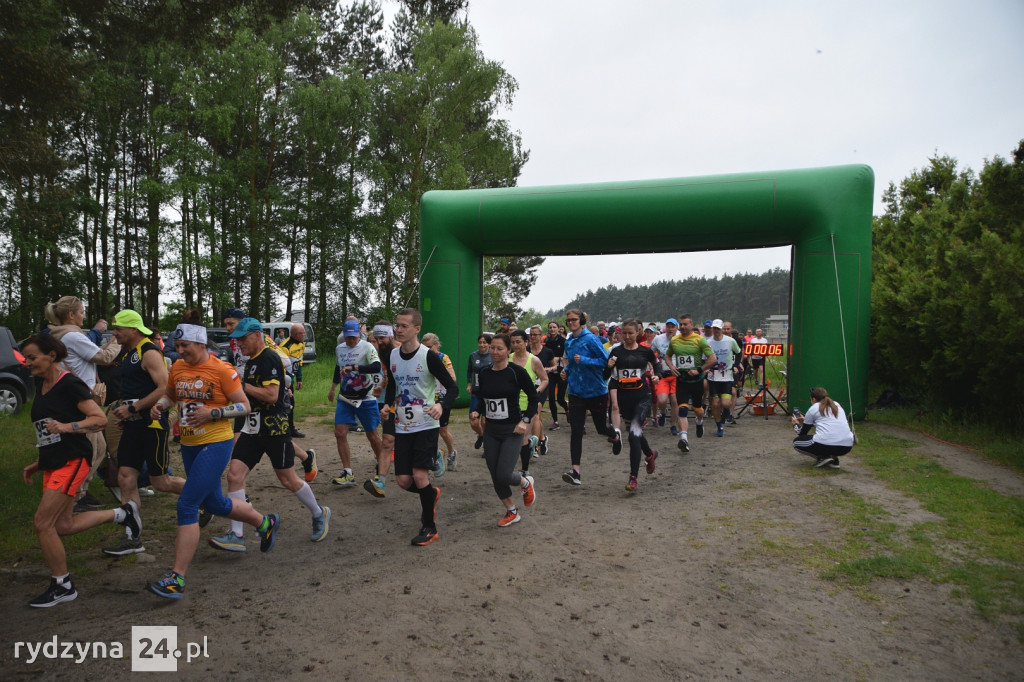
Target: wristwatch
(74,427)
(526,420)
(131,408)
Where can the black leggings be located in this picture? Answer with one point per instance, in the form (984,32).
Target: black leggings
(501,449)
(578,407)
(556,394)
(635,408)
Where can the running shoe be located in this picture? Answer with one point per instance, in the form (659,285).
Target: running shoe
(479,443)
(374,486)
(631,485)
(661,420)
(267,536)
(439,464)
(510,517)
(55,594)
(529,492)
(229,542)
(684,445)
(554,426)
(345,480)
(544,446)
(171,586)
(721,430)
(321,525)
(451,459)
(617,442)
(822,461)
(309,467)
(126,545)
(833,463)
(731,420)
(426,536)
(204,517)
(132,519)
(700,429)
(674,430)
(146,492)
(295,433)
(650,461)
(533,444)
(572,476)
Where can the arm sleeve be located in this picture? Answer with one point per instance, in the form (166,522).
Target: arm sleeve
(437,368)
(372,368)
(469,369)
(389,392)
(336,379)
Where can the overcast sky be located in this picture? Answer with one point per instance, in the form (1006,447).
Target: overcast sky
(614,91)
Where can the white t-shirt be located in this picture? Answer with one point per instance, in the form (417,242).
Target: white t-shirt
(81,351)
(829,430)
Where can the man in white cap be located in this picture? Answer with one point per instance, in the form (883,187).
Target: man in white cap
(144,441)
(358,363)
(722,374)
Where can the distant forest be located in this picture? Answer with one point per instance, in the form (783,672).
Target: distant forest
(744,299)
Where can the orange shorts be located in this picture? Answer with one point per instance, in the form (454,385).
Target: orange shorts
(68,479)
(666,386)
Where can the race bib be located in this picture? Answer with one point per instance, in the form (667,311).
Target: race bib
(186,410)
(252,424)
(628,375)
(44,437)
(685,362)
(376,380)
(496,408)
(411,415)
(719,375)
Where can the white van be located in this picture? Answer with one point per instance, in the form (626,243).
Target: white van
(274,330)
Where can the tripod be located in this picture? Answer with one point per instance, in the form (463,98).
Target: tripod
(764,392)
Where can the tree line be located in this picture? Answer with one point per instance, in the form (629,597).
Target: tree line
(948,283)
(265,153)
(744,299)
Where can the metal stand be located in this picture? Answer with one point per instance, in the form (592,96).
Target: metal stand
(762,388)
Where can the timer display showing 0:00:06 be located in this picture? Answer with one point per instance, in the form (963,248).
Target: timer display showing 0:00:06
(770,349)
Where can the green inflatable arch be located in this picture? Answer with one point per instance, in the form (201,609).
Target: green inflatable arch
(824,213)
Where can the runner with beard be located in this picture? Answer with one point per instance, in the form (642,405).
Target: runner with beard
(383,336)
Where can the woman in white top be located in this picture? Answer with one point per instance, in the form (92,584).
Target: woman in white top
(66,318)
(832,437)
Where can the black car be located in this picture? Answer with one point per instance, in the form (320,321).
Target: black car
(16,384)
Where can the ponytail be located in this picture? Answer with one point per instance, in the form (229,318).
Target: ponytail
(825,404)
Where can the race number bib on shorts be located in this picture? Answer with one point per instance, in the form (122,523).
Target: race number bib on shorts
(411,415)
(685,362)
(496,408)
(252,424)
(44,437)
(719,375)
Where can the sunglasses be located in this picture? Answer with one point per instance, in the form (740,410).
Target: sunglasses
(571,319)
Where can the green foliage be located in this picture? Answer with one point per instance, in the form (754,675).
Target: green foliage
(948,277)
(744,299)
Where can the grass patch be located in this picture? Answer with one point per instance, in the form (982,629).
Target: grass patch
(997,443)
(978,546)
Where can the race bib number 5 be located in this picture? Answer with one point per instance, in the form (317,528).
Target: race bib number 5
(44,437)
(411,415)
(252,424)
(496,408)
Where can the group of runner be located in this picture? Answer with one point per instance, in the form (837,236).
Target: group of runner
(233,413)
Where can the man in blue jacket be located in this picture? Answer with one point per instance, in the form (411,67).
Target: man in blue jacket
(585,360)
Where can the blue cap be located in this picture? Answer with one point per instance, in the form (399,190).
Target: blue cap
(236,313)
(351,328)
(672,320)
(707,323)
(505,320)
(247,325)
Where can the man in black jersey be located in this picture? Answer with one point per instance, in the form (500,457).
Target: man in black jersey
(144,441)
(265,431)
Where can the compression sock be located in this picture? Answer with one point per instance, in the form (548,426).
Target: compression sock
(525,455)
(306,497)
(428,500)
(237,527)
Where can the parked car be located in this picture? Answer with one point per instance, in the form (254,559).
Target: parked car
(274,328)
(16,384)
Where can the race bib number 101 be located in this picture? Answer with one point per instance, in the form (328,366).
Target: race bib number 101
(496,408)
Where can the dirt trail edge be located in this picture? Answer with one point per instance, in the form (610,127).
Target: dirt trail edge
(682,580)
